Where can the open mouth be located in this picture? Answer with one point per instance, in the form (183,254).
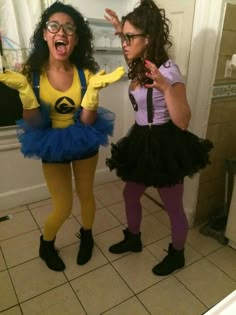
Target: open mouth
(61,46)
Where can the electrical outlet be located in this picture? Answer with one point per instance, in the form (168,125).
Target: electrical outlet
(228,69)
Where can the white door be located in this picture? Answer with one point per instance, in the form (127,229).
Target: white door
(180,13)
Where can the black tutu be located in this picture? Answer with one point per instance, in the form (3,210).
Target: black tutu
(159,156)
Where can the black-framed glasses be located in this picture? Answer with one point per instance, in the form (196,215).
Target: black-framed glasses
(128,38)
(54,27)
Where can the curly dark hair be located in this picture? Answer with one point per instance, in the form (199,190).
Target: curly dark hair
(152,21)
(82,55)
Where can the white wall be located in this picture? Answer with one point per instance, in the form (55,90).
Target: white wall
(95,9)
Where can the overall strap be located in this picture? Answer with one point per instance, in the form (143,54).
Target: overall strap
(35,79)
(149,106)
(82,81)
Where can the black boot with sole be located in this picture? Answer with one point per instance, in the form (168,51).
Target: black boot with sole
(131,243)
(86,246)
(50,255)
(173,261)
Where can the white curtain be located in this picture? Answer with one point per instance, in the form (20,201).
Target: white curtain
(17,22)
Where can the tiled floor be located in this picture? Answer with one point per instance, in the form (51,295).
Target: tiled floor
(108,284)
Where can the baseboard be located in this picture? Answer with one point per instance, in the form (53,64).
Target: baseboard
(20,197)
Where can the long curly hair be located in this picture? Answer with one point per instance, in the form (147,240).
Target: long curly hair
(82,55)
(153,22)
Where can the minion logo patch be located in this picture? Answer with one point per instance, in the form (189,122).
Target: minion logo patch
(65,105)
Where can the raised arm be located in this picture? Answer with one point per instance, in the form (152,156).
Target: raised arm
(90,99)
(112,18)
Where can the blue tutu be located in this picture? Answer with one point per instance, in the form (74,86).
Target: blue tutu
(65,144)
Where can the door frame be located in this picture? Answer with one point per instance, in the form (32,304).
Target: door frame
(204,53)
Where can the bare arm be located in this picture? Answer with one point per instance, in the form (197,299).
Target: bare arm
(113,19)
(175,96)
(88,117)
(177,104)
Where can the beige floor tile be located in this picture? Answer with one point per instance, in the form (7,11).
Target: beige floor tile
(66,234)
(40,203)
(13,211)
(108,194)
(7,294)
(158,249)
(40,213)
(33,278)
(118,209)
(130,307)
(120,184)
(12,311)
(59,301)
(203,244)
(170,297)
(150,205)
(21,248)
(163,217)
(76,211)
(225,259)
(101,290)
(21,222)
(104,221)
(76,206)
(136,270)
(2,262)
(73,270)
(152,230)
(99,205)
(209,284)
(106,239)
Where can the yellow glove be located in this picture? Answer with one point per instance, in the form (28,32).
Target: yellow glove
(19,82)
(97,82)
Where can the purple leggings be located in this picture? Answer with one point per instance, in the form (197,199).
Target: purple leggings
(172,198)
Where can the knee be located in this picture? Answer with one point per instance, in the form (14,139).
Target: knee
(126,192)
(63,210)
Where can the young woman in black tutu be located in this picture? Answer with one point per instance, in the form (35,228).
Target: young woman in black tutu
(158,150)
(64,126)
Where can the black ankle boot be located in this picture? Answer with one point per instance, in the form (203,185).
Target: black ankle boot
(86,246)
(173,261)
(50,255)
(131,243)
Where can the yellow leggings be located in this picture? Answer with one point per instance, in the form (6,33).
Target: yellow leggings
(59,181)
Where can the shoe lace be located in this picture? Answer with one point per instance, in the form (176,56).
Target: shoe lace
(78,235)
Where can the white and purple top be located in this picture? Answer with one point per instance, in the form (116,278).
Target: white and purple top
(160,111)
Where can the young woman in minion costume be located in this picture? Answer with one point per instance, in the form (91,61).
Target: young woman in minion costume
(62,124)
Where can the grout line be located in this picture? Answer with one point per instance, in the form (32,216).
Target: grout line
(155,201)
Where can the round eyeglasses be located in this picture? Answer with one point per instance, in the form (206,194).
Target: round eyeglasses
(54,27)
(128,38)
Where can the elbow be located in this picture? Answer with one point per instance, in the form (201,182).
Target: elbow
(88,117)
(184,123)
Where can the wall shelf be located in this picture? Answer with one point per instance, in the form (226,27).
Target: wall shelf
(116,50)
(99,22)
